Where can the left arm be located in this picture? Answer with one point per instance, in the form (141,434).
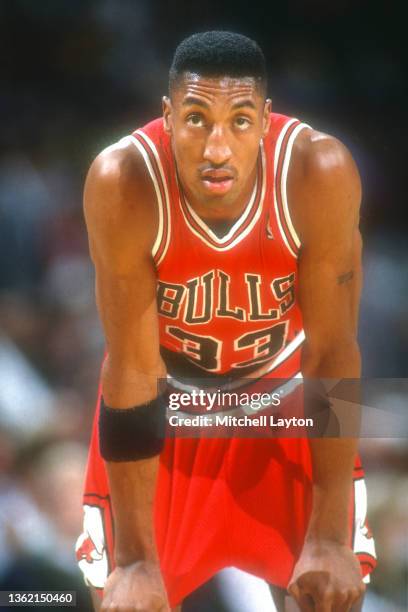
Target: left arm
(324,185)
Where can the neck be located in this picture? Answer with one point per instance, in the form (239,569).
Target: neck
(219,210)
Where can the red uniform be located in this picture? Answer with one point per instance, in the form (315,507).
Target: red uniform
(227,309)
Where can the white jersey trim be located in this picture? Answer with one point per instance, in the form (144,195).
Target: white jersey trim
(284,177)
(285,168)
(278,147)
(166,194)
(163,207)
(237,224)
(233,229)
(145,156)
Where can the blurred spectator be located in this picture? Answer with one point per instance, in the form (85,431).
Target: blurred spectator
(40,517)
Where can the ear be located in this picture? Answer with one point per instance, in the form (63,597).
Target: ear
(266,117)
(166,104)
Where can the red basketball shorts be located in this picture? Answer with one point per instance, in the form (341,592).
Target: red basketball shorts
(220,502)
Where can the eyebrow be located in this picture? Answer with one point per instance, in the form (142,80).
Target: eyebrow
(192,100)
(243,104)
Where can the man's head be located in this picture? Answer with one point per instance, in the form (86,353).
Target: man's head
(217,115)
(218,54)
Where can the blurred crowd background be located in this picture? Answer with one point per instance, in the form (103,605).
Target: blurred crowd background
(76,75)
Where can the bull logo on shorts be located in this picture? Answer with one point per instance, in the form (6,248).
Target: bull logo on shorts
(87,551)
(91,548)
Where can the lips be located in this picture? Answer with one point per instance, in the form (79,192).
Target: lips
(217,175)
(217,181)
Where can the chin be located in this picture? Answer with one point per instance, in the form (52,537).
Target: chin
(225,199)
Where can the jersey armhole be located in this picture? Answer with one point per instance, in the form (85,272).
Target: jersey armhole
(151,157)
(283,154)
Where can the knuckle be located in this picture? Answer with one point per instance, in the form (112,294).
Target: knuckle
(327,595)
(303,581)
(294,590)
(343,595)
(362,588)
(355,593)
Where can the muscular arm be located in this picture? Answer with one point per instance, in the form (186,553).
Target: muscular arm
(325,187)
(327,194)
(120,214)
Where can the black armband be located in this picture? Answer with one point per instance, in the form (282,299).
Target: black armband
(130,434)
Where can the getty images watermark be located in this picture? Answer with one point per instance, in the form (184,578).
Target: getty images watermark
(226,409)
(295,407)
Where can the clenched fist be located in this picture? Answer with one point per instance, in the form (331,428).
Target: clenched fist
(137,587)
(326,578)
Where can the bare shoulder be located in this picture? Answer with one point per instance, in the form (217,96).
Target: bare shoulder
(319,156)
(323,182)
(119,199)
(119,174)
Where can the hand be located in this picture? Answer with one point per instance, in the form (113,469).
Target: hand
(326,578)
(137,587)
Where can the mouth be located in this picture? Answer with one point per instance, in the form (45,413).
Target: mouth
(217,181)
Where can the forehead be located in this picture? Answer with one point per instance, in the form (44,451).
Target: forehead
(214,90)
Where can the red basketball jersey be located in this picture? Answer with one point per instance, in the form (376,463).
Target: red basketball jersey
(227,304)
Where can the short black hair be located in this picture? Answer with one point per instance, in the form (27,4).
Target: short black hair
(218,53)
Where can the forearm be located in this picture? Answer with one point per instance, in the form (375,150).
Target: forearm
(132,483)
(132,486)
(332,461)
(333,457)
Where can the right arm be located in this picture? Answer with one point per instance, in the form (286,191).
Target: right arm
(121,218)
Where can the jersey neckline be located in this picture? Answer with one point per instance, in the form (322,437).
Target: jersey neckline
(241,227)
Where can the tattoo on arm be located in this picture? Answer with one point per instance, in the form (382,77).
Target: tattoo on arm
(344,278)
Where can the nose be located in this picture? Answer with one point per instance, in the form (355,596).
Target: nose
(217,150)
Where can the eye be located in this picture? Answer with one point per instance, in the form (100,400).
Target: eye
(195,120)
(242,123)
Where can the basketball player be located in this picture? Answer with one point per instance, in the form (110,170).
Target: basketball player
(226,244)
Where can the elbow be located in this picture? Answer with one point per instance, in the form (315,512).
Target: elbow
(124,367)
(133,382)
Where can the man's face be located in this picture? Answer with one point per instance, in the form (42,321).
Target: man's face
(216,125)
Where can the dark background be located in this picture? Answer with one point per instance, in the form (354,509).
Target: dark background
(76,75)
